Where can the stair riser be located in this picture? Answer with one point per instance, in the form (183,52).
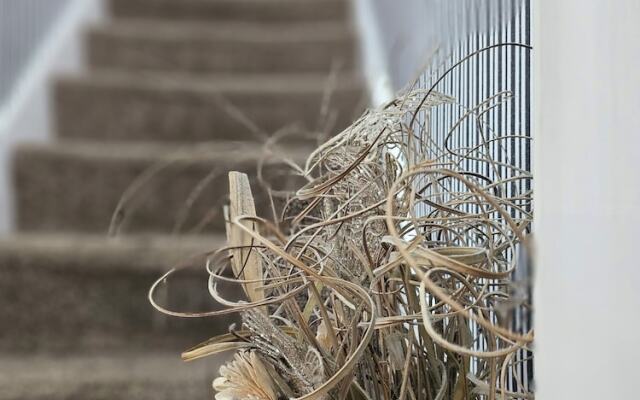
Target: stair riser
(110,112)
(203,55)
(73,306)
(233,10)
(73,193)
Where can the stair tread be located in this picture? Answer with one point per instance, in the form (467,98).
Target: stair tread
(110,105)
(220,82)
(77,185)
(150,375)
(86,294)
(216,10)
(228,31)
(218,150)
(147,252)
(239,48)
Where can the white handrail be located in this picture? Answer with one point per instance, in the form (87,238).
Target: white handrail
(26,111)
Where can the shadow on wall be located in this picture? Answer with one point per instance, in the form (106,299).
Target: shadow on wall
(423,31)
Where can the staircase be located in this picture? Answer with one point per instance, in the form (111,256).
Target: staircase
(171,88)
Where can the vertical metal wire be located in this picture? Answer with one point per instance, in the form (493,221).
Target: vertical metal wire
(507,68)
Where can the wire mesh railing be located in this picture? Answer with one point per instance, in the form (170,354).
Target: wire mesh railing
(483,63)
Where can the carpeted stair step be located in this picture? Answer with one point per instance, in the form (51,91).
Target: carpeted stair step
(235,10)
(137,376)
(238,48)
(76,186)
(117,106)
(72,294)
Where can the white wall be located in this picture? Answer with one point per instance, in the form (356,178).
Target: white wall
(587,199)
(406,37)
(26,114)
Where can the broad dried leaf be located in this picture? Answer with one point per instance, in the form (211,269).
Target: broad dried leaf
(246,263)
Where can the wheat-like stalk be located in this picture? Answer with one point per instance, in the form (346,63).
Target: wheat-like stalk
(388,275)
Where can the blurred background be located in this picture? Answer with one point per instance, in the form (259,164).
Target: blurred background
(120,118)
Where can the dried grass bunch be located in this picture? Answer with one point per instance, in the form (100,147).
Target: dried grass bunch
(393,276)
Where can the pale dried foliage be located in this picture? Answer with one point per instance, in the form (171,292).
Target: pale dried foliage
(244,378)
(393,276)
